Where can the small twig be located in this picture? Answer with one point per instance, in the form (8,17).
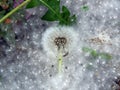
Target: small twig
(14,10)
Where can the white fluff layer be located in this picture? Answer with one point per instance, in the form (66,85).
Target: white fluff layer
(59,31)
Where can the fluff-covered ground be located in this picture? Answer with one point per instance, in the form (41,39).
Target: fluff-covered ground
(27,67)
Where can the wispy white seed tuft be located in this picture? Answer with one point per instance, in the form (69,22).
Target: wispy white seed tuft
(57,38)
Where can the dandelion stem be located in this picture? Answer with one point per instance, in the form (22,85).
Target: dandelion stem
(14,10)
(60,60)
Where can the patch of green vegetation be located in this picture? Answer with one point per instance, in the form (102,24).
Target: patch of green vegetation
(96,54)
(33,3)
(85,8)
(105,56)
(54,12)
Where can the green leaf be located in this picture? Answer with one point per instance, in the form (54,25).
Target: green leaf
(33,3)
(105,56)
(91,51)
(85,8)
(55,14)
(50,16)
(95,54)
(73,19)
(65,12)
(86,49)
(52,5)
(66,16)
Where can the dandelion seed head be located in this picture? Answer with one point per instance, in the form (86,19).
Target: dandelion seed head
(59,38)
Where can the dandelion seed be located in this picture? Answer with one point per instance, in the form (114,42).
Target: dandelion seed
(62,38)
(59,41)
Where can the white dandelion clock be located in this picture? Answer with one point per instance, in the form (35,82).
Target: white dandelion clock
(59,41)
(59,38)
